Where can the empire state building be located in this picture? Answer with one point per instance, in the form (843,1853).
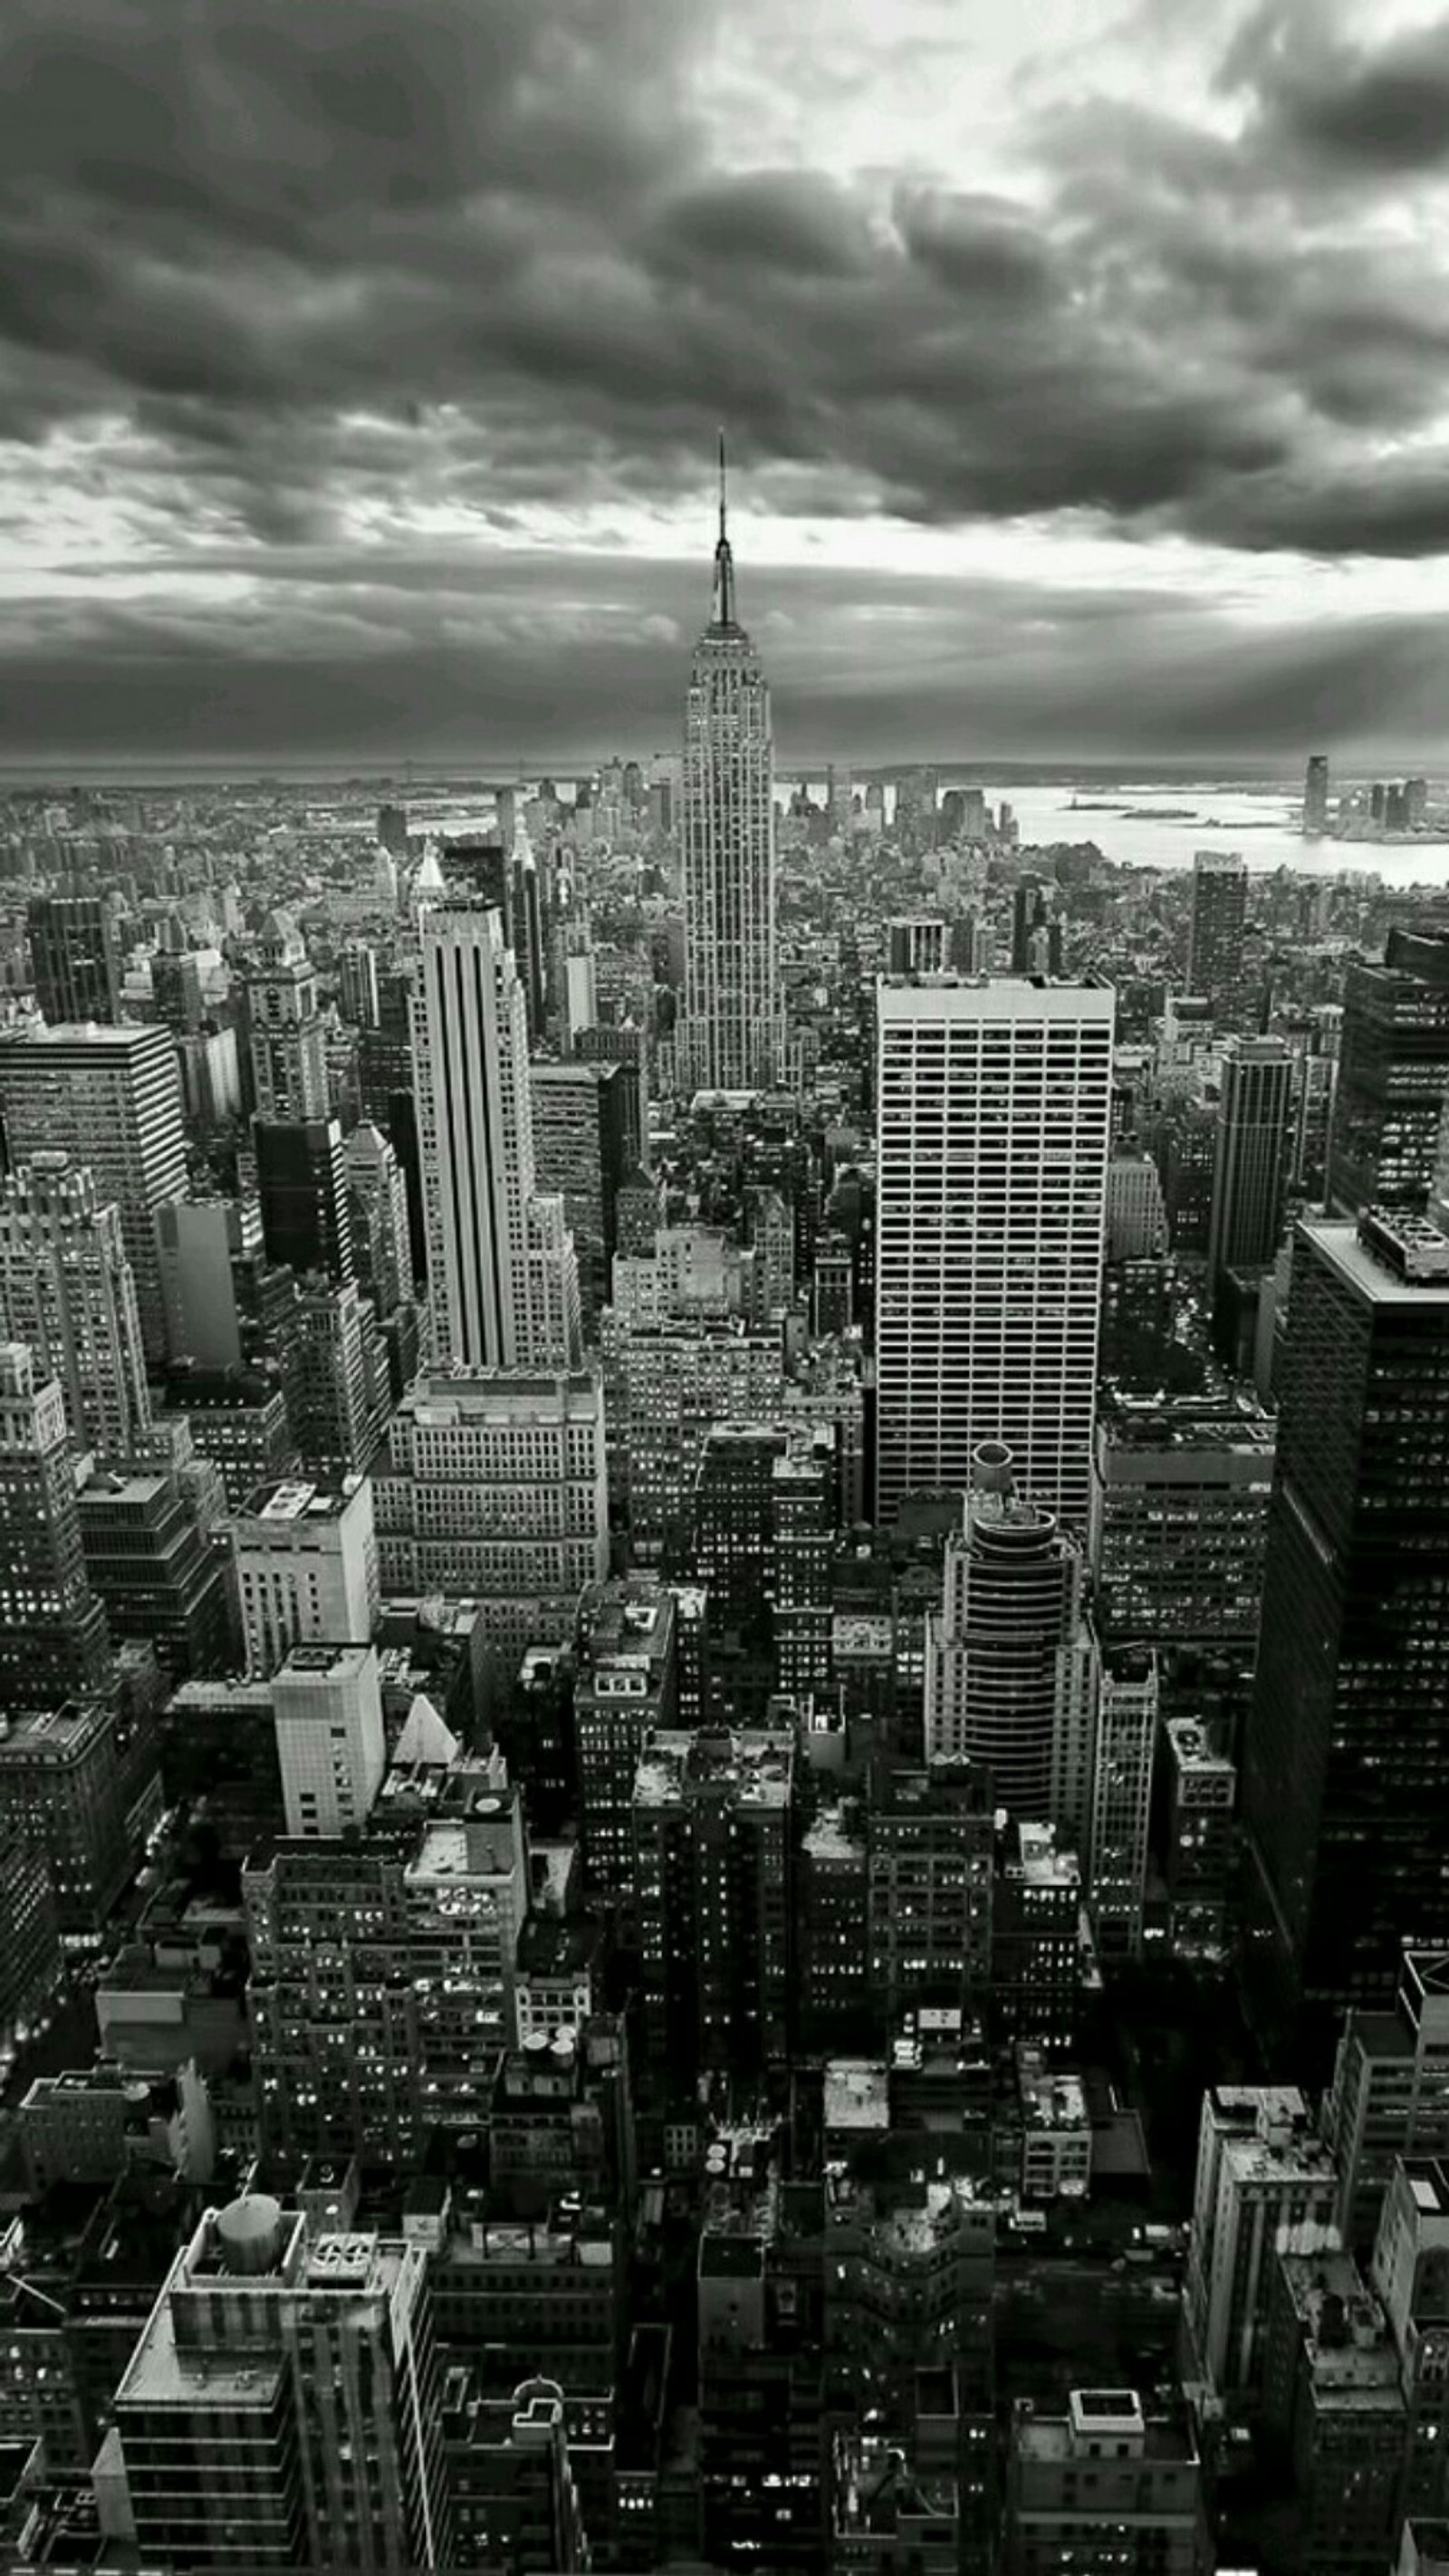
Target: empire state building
(730,996)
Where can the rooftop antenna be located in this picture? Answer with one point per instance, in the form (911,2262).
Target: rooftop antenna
(724,566)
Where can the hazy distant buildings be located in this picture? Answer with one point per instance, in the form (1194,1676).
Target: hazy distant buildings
(994,1113)
(731,1003)
(1315,798)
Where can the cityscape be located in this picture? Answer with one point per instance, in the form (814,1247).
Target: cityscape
(724,1290)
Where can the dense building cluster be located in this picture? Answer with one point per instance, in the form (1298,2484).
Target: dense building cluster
(724,1628)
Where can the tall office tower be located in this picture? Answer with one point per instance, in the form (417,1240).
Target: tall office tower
(65,1792)
(1126,1734)
(503,1288)
(1215,938)
(1315,798)
(1199,1845)
(53,1640)
(282,2407)
(76,957)
(626,1686)
(149,1531)
(993,1118)
(306,1568)
(1179,1523)
(581,1153)
(494,1484)
(1393,1071)
(1250,1168)
(378,1199)
(763,2464)
(666,1384)
(335,1372)
(1106,2467)
(1036,934)
(1344,1749)
(66,1289)
(1262,2172)
(916,944)
(713,1819)
(331,1747)
(731,1002)
(1390,2094)
(112,1099)
(288,1049)
(357,993)
(1010,1677)
(511,2468)
(930,1843)
(771,1289)
(804,1523)
(302,1190)
(1136,1209)
(32,1969)
(626,1045)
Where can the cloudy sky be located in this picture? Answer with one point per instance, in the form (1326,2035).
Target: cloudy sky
(1085,365)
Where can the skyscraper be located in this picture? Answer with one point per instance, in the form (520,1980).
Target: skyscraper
(289,1056)
(1315,798)
(1215,940)
(1250,1168)
(282,2407)
(1009,1659)
(993,1118)
(77,963)
(112,1099)
(66,1289)
(730,998)
(1393,1072)
(1344,1758)
(492,1258)
(302,1188)
(53,1641)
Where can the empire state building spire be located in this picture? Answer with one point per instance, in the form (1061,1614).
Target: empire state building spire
(730,1032)
(724,562)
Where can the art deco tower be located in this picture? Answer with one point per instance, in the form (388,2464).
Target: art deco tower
(729,851)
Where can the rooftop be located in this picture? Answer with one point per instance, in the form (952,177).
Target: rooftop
(857,2094)
(295,1499)
(756,1769)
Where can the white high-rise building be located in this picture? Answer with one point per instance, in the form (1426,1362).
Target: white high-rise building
(306,1568)
(502,1278)
(730,995)
(993,1116)
(331,1741)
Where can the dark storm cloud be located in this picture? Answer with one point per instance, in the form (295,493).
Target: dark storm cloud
(1353,107)
(535,656)
(497,228)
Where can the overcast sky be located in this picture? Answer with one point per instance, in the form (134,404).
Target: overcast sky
(1085,365)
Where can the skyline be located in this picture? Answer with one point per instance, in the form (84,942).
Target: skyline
(363,372)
